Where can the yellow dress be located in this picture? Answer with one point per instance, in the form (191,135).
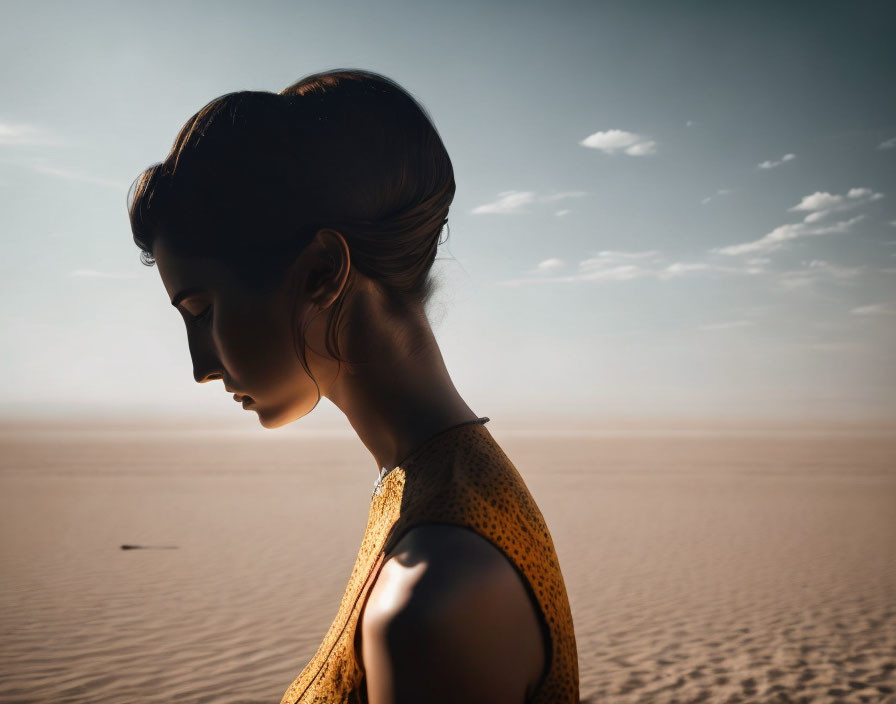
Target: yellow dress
(460,476)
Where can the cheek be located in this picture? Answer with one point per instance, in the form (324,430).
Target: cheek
(255,347)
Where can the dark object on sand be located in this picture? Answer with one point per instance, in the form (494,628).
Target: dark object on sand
(149,547)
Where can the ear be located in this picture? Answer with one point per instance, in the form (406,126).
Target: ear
(329,264)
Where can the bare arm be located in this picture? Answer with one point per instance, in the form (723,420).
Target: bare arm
(449,620)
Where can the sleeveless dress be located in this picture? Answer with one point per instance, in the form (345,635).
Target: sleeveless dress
(462,477)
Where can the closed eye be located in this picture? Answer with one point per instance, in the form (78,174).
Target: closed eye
(202,316)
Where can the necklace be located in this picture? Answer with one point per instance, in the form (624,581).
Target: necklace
(384,472)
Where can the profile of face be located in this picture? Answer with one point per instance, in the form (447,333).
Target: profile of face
(244,337)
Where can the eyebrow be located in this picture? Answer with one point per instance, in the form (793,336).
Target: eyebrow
(186,293)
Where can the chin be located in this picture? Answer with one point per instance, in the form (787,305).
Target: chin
(282,417)
(273,421)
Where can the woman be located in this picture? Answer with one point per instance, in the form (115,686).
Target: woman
(295,233)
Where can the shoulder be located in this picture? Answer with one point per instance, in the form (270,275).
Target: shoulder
(449,618)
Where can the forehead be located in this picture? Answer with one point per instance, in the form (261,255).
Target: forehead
(179,273)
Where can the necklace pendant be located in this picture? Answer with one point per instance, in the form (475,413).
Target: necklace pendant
(378,484)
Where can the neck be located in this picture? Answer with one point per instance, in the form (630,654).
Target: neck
(402,395)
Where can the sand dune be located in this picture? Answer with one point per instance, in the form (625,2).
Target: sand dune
(736,567)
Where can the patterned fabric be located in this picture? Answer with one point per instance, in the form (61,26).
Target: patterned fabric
(462,477)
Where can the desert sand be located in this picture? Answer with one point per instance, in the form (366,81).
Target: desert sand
(701,565)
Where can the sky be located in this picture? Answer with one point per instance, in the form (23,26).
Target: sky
(664,210)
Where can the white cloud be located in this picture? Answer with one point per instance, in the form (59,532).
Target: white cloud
(608,256)
(719,192)
(727,325)
(683,267)
(561,213)
(563,194)
(820,200)
(516,201)
(615,265)
(549,264)
(772,164)
(610,141)
(23,135)
(840,272)
(507,202)
(622,254)
(617,272)
(619,265)
(689,123)
(94,274)
(874,309)
(818,205)
(815,270)
(783,233)
(888,144)
(821,203)
(642,148)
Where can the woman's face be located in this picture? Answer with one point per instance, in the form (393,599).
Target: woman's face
(239,336)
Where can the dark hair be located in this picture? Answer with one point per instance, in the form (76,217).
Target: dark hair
(254,175)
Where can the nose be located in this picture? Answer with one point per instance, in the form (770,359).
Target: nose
(202,377)
(206,366)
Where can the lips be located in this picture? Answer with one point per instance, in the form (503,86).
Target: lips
(242,397)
